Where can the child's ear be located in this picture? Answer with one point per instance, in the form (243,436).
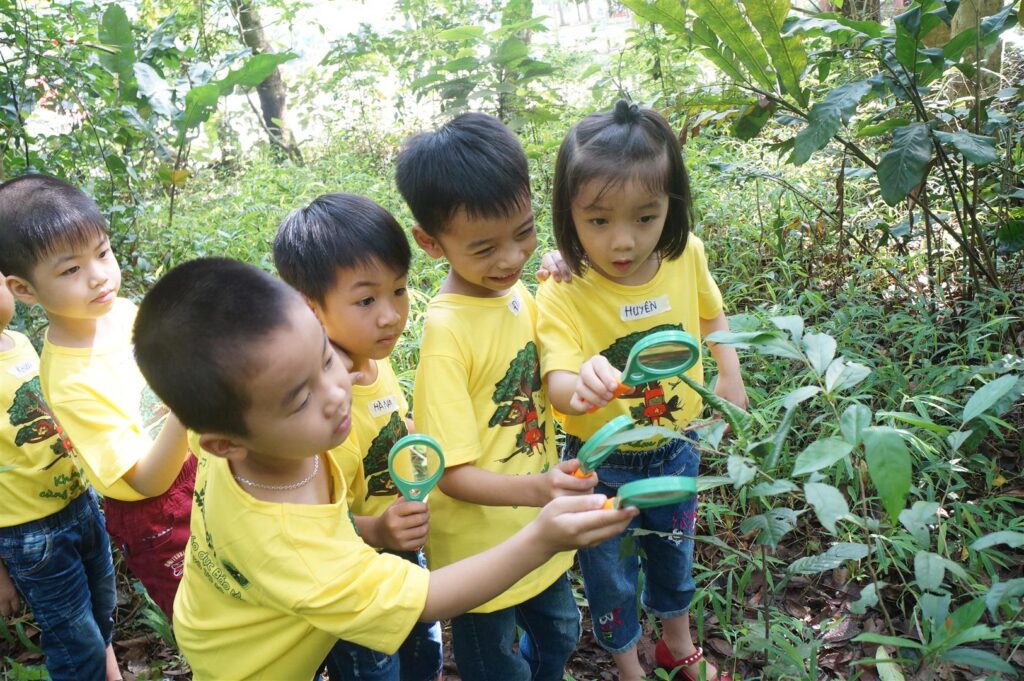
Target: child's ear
(429,244)
(224,446)
(22,289)
(315,307)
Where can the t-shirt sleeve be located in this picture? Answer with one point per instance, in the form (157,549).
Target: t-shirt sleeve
(709,298)
(109,442)
(442,405)
(557,333)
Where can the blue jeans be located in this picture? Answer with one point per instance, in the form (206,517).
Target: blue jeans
(484,643)
(610,573)
(418,659)
(61,565)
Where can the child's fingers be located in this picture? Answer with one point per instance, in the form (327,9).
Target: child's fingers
(595,527)
(404,506)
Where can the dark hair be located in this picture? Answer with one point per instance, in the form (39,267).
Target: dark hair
(194,336)
(473,162)
(337,231)
(627,144)
(40,214)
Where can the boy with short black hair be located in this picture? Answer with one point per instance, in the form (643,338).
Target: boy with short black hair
(478,391)
(275,570)
(56,252)
(53,545)
(349,258)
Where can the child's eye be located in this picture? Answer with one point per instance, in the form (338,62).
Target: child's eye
(485,252)
(399,292)
(526,232)
(104,253)
(648,218)
(329,362)
(365,302)
(304,403)
(69,271)
(598,222)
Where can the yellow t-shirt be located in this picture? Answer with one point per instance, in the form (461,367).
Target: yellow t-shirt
(104,405)
(43,477)
(478,392)
(269,588)
(594,315)
(378,421)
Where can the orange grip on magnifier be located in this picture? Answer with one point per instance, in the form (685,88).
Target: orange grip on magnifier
(580,474)
(618,392)
(609,504)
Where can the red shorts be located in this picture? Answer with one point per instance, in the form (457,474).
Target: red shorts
(152,535)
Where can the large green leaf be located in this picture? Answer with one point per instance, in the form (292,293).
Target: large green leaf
(825,118)
(917,518)
(154,88)
(728,23)
(982,659)
(852,423)
(831,559)
(716,52)
(768,489)
(903,167)
(460,33)
(1002,591)
(888,669)
(929,570)
(842,375)
(115,31)
(829,504)
(889,466)
(821,454)
(199,104)
(977,149)
(821,350)
(1010,237)
(770,526)
(666,13)
(988,395)
(787,53)
(254,71)
(737,418)
(1012,539)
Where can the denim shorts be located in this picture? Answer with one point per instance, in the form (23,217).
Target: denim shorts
(610,573)
(418,659)
(61,565)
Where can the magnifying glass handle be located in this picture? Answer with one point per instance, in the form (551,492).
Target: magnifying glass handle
(580,474)
(621,390)
(610,504)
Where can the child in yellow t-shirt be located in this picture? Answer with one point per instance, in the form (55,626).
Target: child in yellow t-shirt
(349,258)
(478,391)
(275,571)
(53,546)
(621,212)
(56,252)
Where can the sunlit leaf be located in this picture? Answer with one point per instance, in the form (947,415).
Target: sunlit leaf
(829,504)
(821,454)
(987,395)
(889,466)
(826,117)
(977,149)
(903,167)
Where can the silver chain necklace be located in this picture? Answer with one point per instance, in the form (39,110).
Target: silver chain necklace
(283,488)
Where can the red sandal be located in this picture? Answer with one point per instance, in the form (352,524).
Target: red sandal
(663,658)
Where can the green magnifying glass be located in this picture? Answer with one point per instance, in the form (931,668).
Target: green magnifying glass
(595,450)
(659,355)
(416,463)
(661,491)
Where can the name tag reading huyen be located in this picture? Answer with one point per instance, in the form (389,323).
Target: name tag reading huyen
(515,305)
(384,405)
(23,369)
(646,308)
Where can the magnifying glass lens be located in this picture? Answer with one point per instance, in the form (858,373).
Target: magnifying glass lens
(416,463)
(664,356)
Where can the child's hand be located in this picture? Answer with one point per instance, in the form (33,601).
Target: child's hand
(596,384)
(404,525)
(575,522)
(730,387)
(562,482)
(10,602)
(553,265)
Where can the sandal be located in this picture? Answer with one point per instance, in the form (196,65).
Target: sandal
(663,658)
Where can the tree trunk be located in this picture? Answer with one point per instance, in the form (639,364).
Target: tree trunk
(271,91)
(855,9)
(969,15)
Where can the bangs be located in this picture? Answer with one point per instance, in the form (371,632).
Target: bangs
(53,239)
(653,174)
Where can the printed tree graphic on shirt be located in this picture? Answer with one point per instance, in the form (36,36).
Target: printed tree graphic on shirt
(37,424)
(375,463)
(654,407)
(514,396)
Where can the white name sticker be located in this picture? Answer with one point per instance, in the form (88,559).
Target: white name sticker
(515,305)
(24,369)
(647,308)
(384,405)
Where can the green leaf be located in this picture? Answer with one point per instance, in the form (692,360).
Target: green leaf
(792,323)
(737,418)
(826,117)
(642,433)
(666,13)
(254,71)
(460,33)
(915,420)
(982,659)
(716,52)
(199,104)
(1003,591)
(903,167)
(978,149)
(770,526)
(512,49)
(1013,539)
(751,120)
(821,454)
(868,599)
(727,21)
(935,610)
(821,350)
(836,555)
(768,489)
(1010,237)
(829,504)
(889,467)
(986,396)
(854,420)
(917,518)
(929,570)
(876,129)
(842,375)
(115,31)
(787,53)
(884,640)
(800,395)
(740,470)
(993,25)
(888,670)
(154,88)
